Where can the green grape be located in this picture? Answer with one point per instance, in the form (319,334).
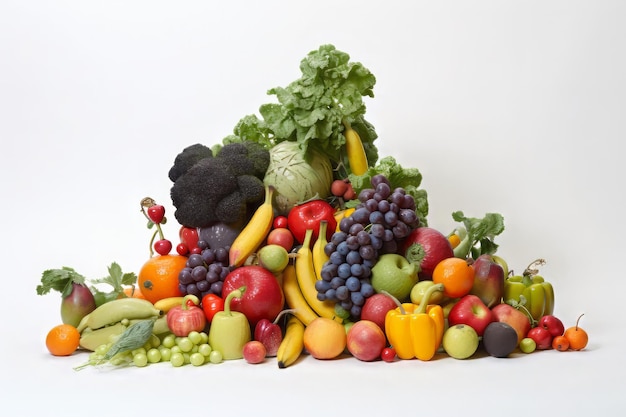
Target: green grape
(125,322)
(176,349)
(138,351)
(169,340)
(196,359)
(121,359)
(102,349)
(204,349)
(205,338)
(216,356)
(185,344)
(195,337)
(166,353)
(154,355)
(140,359)
(186,356)
(177,359)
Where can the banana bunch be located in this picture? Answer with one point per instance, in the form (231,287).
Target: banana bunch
(254,232)
(299,283)
(113,317)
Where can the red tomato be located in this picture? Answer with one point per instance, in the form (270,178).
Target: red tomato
(212,304)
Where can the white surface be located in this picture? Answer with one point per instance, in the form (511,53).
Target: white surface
(513,107)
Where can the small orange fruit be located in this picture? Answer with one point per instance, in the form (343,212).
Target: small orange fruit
(560,343)
(577,337)
(158,277)
(63,340)
(325,338)
(456,275)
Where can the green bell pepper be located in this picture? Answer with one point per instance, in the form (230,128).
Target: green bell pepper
(230,330)
(531,291)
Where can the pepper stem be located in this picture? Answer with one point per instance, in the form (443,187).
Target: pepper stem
(395,300)
(189,298)
(233,294)
(426,297)
(282,313)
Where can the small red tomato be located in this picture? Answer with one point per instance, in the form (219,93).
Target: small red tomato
(212,304)
(279,221)
(388,354)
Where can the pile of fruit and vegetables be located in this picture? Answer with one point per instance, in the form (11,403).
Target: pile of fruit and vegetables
(297,238)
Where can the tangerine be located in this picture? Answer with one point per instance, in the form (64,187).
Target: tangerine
(576,336)
(63,340)
(158,277)
(456,275)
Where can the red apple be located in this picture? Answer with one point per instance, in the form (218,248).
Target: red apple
(552,324)
(254,352)
(519,321)
(488,280)
(281,236)
(376,307)
(365,340)
(426,247)
(308,216)
(541,336)
(263,297)
(471,311)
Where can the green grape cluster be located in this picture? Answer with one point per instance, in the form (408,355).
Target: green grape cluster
(192,349)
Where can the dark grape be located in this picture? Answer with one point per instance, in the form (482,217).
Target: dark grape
(344,270)
(204,272)
(379,179)
(383,190)
(353,284)
(365,194)
(353,257)
(198,273)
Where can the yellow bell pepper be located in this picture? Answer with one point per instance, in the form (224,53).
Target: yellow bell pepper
(415,331)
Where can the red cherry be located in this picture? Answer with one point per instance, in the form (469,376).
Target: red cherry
(280,222)
(156,213)
(182,249)
(163,246)
(196,250)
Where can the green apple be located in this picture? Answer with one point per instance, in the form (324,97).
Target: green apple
(394,274)
(273,257)
(460,341)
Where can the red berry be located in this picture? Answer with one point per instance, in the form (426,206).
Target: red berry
(195,250)
(163,246)
(182,249)
(339,187)
(388,354)
(156,213)
(280,222)
(350,194)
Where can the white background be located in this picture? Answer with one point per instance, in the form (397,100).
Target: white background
(515,107)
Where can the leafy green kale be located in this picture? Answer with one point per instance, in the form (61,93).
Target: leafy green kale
(477,235)
(398,176)
(311,110)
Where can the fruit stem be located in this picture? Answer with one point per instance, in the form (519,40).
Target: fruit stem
(532,268)
(421,309)
(577,320)
(282,313)
(396,301)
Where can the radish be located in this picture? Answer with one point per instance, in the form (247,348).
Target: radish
(426,247)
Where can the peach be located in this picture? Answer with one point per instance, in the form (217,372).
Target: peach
(365,340)
(325,338)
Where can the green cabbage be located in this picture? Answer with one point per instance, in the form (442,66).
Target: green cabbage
(295,177)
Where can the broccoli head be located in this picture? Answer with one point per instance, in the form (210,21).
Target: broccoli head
(218,188)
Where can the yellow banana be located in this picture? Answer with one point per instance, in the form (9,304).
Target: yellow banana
(305,274)
(357,159)
(91,339)
(292,345)
(254,232)
(318,252)
(116,310)
(166,304)
(294,298)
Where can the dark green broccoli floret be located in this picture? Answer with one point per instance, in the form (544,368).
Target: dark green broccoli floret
(187,158)
(220,188)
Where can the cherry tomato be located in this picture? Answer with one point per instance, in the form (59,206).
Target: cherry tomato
(388,354)
(279,222)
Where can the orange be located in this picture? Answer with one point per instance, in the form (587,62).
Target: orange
(133,292)
(63,340)
(456,275)
(158,277)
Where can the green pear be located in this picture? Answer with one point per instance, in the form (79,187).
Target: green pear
(394,274)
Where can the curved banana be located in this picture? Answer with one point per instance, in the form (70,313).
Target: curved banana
(116,310)
(294,298)
(357,159)
(305,274)
(254,232)
(91,339)
(292,345)
(318,252)
(166,304)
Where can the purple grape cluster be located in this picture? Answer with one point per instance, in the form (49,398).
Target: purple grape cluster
(381,221)
(204,272)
